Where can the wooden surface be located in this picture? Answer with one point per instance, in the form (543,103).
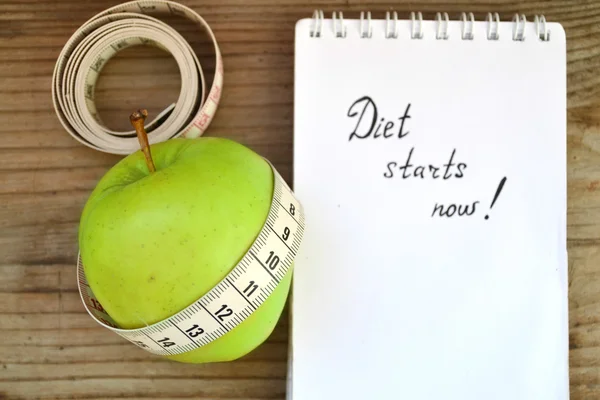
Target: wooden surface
(49,346)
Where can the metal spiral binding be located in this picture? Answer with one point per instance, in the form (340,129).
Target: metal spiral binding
(467,26)
(388,24)
(369,31)
(442,21)
(493,25)
(414,32)
(519,27)
(442,33)
(317,24)
(543,32)
(341,30)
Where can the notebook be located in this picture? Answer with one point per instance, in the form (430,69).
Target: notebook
(430,158)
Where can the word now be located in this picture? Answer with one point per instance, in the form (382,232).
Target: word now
(454,209)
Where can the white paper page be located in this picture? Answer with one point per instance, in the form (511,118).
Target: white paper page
(390,299)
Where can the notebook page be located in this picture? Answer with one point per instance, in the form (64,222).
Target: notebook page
(433,177)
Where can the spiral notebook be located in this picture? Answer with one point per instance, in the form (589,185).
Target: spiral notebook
(430,157)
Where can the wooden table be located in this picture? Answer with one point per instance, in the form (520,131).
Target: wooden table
(50,347)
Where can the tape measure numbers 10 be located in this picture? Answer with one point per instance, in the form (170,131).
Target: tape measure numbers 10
(233,299)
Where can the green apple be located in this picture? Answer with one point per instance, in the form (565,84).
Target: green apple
(154,242)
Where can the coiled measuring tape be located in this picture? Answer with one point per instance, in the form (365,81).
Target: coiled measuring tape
(234,298)
(104,35)
(271,255)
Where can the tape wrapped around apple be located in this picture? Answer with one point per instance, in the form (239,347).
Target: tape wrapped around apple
(165,224)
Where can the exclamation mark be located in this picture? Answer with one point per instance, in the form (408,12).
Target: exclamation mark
(500,186)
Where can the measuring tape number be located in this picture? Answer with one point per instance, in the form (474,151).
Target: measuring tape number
(233,299)
(104,35)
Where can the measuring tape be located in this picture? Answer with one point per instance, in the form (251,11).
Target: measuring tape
(99,39)
(270,257)
(234,298)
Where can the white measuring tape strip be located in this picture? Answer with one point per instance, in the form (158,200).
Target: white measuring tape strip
(233,299)
(271,255)
(100,38)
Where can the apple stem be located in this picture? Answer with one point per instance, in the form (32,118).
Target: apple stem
(137,119)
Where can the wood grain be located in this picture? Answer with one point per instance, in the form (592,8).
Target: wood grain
(50,348)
